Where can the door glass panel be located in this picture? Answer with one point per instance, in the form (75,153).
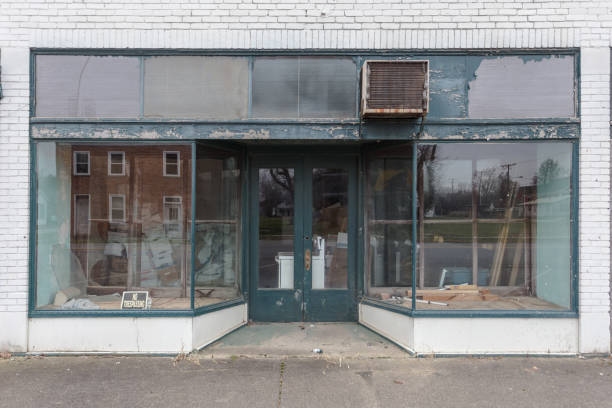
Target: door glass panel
(329,228)
(276,232)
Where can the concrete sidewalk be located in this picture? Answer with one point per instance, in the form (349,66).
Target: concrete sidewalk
(318,381)
(346,340)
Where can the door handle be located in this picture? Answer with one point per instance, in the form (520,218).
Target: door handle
(307,260)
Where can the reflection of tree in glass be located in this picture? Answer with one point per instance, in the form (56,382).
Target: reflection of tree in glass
(495,189)
(450,198)
(276,191)
(329,186)
(426,163)
(549,170)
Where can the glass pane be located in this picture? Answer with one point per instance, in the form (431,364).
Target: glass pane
(217,237)
(304,87)
(389,225)
(276,228)
(330,244)
(513,250)
(87,86)
(100,236)
(327,87)
(524,87)
(275,88)
(196,87)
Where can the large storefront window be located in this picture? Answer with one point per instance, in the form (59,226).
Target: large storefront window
(117,218)
(493,232)
(110,221)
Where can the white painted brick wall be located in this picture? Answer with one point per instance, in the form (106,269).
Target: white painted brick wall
(308,24)
(594,282)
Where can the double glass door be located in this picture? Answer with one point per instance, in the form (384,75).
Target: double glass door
(303,239)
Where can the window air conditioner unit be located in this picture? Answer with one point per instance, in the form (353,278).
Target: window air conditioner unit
(397,89)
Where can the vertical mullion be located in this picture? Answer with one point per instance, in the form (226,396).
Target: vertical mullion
(414,221)
(32,85)
(250,101)
(141,58)
(301,225)
(474,224)
(574,217)
(193,220)
(357,61)
(33,250)
(244,232)
(299,66)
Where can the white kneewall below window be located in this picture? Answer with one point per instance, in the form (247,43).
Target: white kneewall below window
(496,335)
(211,326)
(396,327)
(519,336)
(132,334)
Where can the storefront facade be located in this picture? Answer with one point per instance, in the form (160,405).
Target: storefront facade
(177,192)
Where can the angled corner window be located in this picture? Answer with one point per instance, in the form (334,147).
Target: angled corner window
(116,163)
(217,227)
(389,223)
(83,86)
(172,164)
(101,235)
(80,162)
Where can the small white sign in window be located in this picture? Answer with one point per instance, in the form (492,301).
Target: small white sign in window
(116,208)
(172,162)
(116,163)
(80,162)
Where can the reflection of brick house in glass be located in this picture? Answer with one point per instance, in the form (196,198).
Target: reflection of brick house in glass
(129,217)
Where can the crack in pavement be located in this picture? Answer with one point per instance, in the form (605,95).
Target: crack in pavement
(280,385)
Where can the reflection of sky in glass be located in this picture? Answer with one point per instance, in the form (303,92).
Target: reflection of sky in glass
(46,159)
(453,164)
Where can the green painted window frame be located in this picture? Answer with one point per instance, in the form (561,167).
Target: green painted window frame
(359,56)
(572,312)
(192,311)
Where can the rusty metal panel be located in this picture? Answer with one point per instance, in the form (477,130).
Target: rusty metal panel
(522,87)
(395,88)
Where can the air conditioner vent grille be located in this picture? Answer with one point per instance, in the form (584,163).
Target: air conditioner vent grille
(395,88)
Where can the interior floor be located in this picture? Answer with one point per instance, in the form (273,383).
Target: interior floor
(501,303)
(113,302)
